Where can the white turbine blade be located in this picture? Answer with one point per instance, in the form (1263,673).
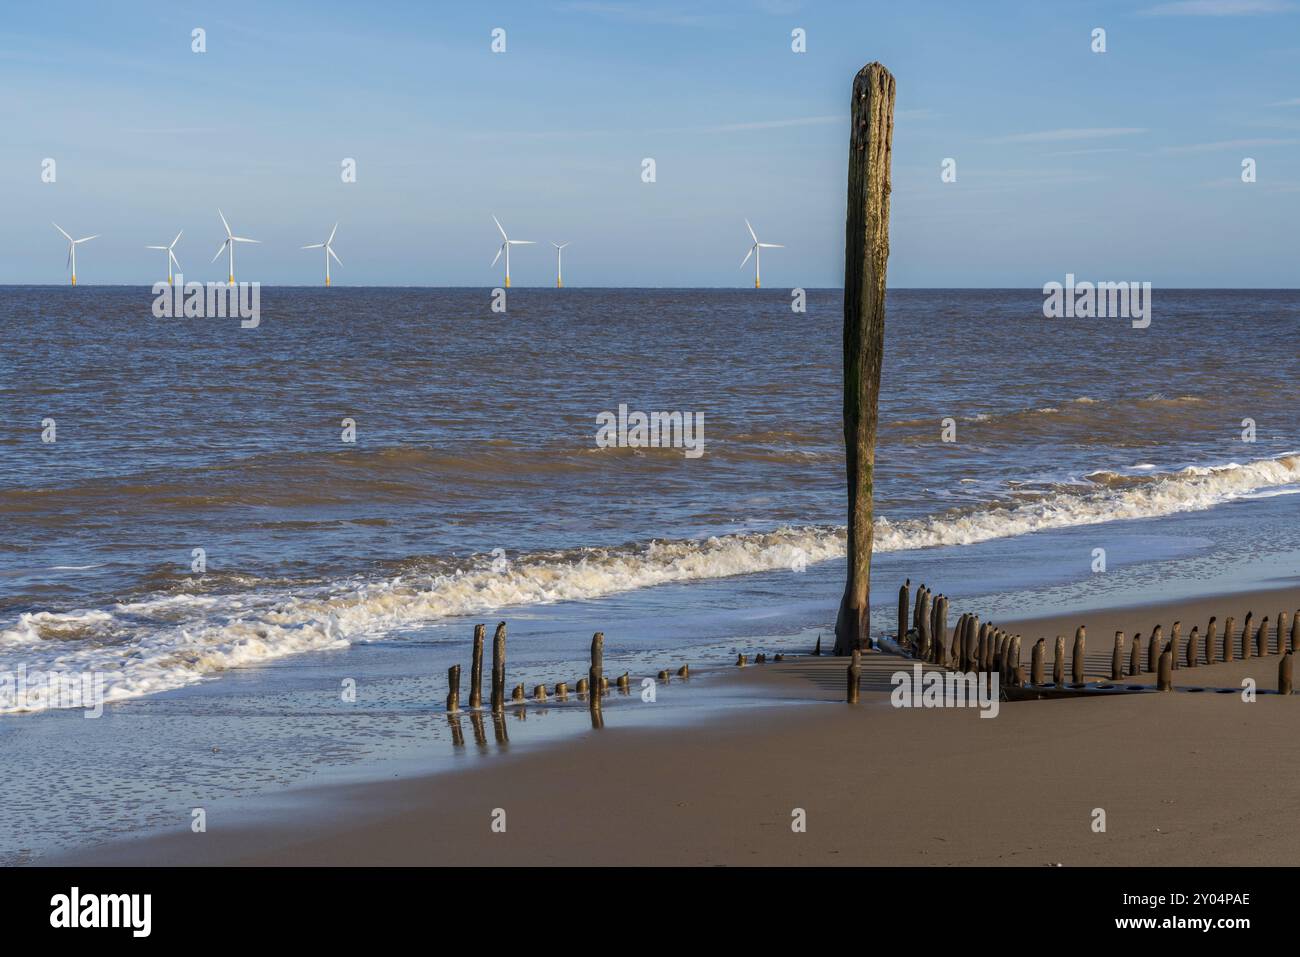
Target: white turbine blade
(241,239)
(747,255)
(332,232)
(176,240)
(86,239)
(69,262)
(498,256)
(314,246)
(522,242)
(751,230)
(155,247)
(334,254)
(223,221)
(771,245)
(221,249)
(172,256)
(500,229)
(60,229)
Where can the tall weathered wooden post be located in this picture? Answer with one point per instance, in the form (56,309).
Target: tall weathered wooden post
(866,257)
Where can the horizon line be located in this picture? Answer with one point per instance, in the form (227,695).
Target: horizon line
(566,288)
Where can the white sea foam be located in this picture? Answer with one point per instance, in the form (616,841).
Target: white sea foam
(173,640)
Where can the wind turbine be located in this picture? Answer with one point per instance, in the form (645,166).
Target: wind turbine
(72,249)
(506,243)
(231,239)
(171,256)
(756,251)
(559,264)
(329,251)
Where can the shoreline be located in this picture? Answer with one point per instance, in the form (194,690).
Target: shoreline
(1184,779)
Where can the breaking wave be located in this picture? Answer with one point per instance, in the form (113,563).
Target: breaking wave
(168,640)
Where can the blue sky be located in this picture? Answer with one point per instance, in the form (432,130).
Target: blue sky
(1122,165)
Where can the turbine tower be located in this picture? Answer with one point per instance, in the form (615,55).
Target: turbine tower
(72,249)
(229,244)
(171,256)
(756,251)
(559,264)
(506,243)
(329,251)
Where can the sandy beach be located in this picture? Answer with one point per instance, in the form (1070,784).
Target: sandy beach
(1184,779)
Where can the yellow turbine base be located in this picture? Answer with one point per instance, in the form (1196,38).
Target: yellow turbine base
(169,281)
(559,284)
(327,281)
(507,282)
(232,279)
(756,286)
(74,278)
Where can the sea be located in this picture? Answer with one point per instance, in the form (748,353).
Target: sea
(229,531)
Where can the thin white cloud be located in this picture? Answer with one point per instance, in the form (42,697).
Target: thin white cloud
(631,13)
(1294,102)
(1109,149)
(767,124)
(1219,8)
(1226,145)
(1057,136)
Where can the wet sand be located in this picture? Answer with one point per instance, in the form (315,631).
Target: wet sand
(1184,779)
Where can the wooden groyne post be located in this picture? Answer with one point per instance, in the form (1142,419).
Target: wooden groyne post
(1174,634)
(1165,675)
(1284,673)
(1154,648)
(1117,658)
(866,258)
(942,632)
(904,602)
(855,676)
(968,643)
(1058,665)
(1135,658)
(1036,662)
(1193,647)
(499,669)
(597,672)
(927,611)
(453,689)
(1210,637)
(1076,665)
(1227,637)
(476,669)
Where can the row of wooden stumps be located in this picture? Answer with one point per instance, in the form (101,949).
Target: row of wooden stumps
(976,646)
(986,649)
(595,676)
(1163,657)
(592,687)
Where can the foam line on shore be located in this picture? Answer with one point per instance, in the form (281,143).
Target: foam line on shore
(166,641)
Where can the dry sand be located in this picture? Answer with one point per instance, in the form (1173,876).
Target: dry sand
(1184,779)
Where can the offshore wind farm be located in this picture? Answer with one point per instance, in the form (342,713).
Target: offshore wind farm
(503,251)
